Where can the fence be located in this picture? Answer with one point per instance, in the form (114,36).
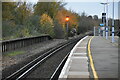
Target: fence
(9,45)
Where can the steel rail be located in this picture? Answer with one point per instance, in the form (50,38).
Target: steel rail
(31,68)
(33,64)
(56,73)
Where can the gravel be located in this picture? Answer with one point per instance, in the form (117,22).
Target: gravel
(32,50)
(10,64)
(0,66)
(45,70)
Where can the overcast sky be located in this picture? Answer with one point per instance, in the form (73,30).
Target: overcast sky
(90,7)
(75,0)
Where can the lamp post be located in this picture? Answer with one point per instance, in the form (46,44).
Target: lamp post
(67,22)
(113,25)
(107,20)
(104,5)
(104,18)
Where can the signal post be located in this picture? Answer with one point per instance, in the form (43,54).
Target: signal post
(67,24)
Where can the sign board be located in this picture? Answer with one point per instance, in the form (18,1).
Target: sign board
(101,25)
(102,28)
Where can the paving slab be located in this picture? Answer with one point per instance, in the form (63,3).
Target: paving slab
(82,45)
(80,50)
(78,75)
(79,57)
(80,54)
(79,68)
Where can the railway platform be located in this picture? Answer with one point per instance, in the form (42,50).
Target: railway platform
(92,57)
(105,57)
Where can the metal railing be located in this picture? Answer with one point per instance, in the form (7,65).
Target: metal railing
(14,44)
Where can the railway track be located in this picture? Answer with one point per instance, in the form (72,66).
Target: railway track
(56,74)
(27,69)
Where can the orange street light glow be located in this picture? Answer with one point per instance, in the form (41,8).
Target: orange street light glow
(67,18)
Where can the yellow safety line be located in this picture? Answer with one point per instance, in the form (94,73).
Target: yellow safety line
(91,61)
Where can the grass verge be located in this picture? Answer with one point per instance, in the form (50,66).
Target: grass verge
(14,53)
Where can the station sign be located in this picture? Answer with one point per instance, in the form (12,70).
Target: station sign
(101,25)
(102,28)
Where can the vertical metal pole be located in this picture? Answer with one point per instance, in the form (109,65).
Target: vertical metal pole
(104,8)
(94,30)
(107,20)
(113,25)
(67,30)
(109,31)
(99,30)
(106,32)
(113,35)
(104,23)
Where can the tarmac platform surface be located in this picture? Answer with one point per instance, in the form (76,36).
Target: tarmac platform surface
(92,57)
(105,57)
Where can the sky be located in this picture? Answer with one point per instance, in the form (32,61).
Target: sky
(119,10)
(69,0)
(90,7)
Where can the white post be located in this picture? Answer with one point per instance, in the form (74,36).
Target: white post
(107,20)
(104,26)
(104,20)
(113,25)
(99,31)
(104,32)
(107,32)
(113,35)
(94,30)
(104,23)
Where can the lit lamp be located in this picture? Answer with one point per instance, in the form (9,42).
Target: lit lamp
(67,19)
